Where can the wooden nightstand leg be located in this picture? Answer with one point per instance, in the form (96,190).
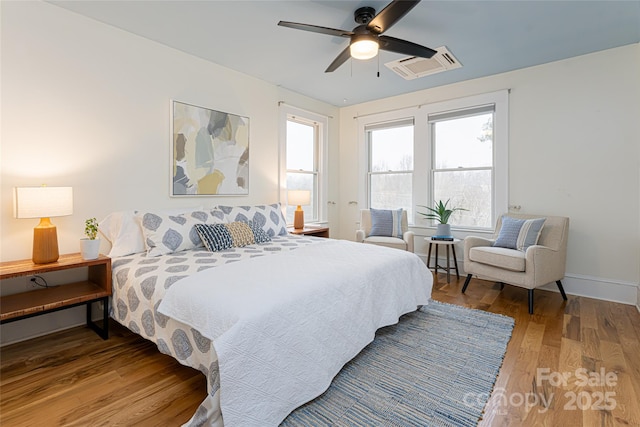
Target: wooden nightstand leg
(104,331)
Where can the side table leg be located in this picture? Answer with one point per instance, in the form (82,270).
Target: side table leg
(436,261)
(429,255)
(455,260)
(448,267)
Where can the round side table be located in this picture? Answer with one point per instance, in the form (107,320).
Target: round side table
(448,244)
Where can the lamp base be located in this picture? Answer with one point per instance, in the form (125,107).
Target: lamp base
(298,219)
(45,242)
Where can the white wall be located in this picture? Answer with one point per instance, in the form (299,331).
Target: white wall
(88,105)
(574,150)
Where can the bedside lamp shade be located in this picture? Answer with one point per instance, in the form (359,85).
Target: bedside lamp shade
(43,202)
(299,198)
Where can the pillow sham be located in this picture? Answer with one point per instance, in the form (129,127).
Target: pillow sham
(166,233)
(122,229)
(268,217)
(516,233)
(386,223)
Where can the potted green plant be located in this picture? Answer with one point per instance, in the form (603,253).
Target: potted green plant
(90,245)
(441,212)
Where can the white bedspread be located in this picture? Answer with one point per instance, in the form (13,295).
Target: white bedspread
(284,325)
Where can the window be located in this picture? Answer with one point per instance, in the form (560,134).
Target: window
(462,163)
(451,150)
(390,183)
(303,148)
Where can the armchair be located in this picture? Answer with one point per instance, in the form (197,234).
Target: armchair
(539,265)
(363,234)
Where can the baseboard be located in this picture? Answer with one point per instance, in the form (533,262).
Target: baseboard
(581,285)
(598,288)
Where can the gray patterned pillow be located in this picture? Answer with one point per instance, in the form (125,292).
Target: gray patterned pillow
(267,217)
(165,233)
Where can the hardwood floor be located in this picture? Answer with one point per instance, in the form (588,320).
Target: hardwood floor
(76,378)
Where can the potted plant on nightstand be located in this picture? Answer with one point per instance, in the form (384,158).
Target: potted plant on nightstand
(441,213)
(90,246)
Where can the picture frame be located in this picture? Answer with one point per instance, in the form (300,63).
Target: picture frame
(210,152)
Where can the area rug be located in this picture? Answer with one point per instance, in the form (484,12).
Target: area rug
(436,367)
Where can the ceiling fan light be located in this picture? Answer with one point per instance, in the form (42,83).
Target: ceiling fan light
(364,49)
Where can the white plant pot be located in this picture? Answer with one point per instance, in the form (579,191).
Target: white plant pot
(89,249)
(443,230)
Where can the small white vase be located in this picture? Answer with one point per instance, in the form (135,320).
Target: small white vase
(443,230)
(89,249)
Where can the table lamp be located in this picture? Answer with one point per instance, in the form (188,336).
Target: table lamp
(43,202)
(299,197)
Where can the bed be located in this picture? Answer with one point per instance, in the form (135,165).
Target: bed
(269,324)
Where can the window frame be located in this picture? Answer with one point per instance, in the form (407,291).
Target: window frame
(369,128)
(320,124)
(423,153)
(459,108)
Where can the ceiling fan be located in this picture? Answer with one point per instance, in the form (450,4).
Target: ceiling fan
(367,38)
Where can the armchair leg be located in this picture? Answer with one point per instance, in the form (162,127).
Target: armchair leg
(530,301)
(559,283)
(466,282)
(501,286)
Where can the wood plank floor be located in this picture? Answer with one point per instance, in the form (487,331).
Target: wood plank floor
(75,378)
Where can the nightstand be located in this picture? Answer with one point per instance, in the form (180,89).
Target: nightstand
(310,231)
(97,287)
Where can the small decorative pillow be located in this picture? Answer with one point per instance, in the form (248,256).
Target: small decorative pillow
(241,234)
(268,217)
(519,233)
(166,233)
(259,235)
(216,237)
(386,223)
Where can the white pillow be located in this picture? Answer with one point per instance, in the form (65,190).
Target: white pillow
(123,231)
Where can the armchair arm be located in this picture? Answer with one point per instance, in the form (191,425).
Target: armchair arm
(544,265)
(408,237)
(359,236)
(474,241)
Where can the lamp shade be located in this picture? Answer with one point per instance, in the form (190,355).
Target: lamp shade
(43,202)
(299,197)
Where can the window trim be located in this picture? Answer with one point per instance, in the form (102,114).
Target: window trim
(321,153)
(422,159)
(472,105)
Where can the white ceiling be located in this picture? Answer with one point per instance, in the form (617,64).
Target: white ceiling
(487,37)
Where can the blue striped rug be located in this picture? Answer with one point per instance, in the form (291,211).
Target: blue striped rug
(436,367)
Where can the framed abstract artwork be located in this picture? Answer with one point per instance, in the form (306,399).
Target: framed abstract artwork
(210,152)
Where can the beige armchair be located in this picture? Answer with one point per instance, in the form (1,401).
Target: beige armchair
(541,264)
(362,235)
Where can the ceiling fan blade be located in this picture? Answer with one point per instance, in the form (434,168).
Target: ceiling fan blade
(393,44)
(390,15)
(340,59)
(316,29)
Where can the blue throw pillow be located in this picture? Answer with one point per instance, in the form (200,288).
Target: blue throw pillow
(216,237)
(519,233)
(386,223)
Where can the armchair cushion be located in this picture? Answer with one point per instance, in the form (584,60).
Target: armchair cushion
(386,223)
(390,242)
(519,233)
(507,259)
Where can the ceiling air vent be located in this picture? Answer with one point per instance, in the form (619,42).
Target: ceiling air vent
(414,67)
